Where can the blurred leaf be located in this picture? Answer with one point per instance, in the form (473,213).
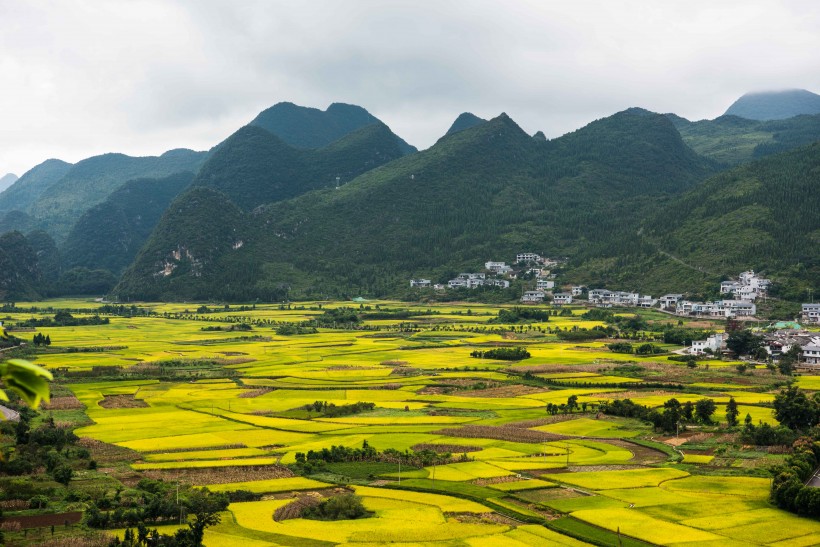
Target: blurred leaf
(27,379)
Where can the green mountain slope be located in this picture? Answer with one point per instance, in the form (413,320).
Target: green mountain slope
(733,140)
(195,248)
(7,180)
(775,105)
(253,167)
(109,235)
(487,191)
(304,127)
(764,215)
(90,181)
(19,275)
(25,190)
(466,120)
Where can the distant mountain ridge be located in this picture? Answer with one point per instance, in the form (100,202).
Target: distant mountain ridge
(304,127)
(487,191)
(465,120)
(7,180)
(775,105)
(253,167)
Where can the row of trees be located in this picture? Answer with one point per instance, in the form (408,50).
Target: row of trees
(516,353)
(673,415)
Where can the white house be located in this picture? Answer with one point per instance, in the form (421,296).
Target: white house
(420,283)
(544,284)
(527,257)
(811,354)
(736,308)
(561,298)
(684,307)
(577,290)
(497,267)
(713,343)
(503,283)
(670,300)
(533,296)
(810,313)
(458,283)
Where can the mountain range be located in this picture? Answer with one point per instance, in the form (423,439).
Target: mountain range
(304,203)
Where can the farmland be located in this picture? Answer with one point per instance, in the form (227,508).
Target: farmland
(462,450)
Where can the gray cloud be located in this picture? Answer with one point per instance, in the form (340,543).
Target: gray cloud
(82,78)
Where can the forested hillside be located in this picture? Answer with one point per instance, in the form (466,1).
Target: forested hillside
(775,105)
(304,127)
(34,182)
(764,215)
(90,181)
(733,140)
(254,167)
(109,235)
(487,191)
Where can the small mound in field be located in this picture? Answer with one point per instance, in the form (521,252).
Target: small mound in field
(122,401)
(446,448)
(500,433)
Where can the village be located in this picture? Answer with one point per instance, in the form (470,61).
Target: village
(738,304)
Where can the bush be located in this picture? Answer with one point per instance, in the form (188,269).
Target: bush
(345,507)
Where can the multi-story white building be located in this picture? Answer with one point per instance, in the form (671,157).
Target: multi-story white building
(561,298)
(670,300)
(811,354)
(503,283)
(497,267)
(544,284)
(749,286)
(420,283)
(577,290)
(713,343)
(533,296)
(810,313)
(607,298)
(527,257)
(720,308)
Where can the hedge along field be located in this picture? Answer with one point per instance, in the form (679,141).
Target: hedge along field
(426,389)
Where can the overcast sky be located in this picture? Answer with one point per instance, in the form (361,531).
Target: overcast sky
(140,77)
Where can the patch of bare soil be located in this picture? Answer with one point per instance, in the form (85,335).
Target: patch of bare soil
(253,393)
(446,448)
(527,424)
(105,453)
(545,494)
(40,521)
(547,514)
(598,468)
(122,401)
(503,391)
(220,475)
(69,402)
(498,480)
(501,433)
(642,454)
(479,518)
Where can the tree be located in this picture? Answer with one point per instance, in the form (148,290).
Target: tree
(732,412)
(704,409)
(572,402)
(789,359)
(63,474)
(743,342)
(688,411)
(795,410)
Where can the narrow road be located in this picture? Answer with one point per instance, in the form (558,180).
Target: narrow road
(9,414)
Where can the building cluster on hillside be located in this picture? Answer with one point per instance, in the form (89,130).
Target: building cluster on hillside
(749,286)
(497,274)
(744,291)
(775,344)
(604,298)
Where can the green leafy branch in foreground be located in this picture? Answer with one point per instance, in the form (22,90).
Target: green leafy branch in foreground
(27,380)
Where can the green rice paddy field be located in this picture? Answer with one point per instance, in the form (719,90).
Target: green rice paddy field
(233,400)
